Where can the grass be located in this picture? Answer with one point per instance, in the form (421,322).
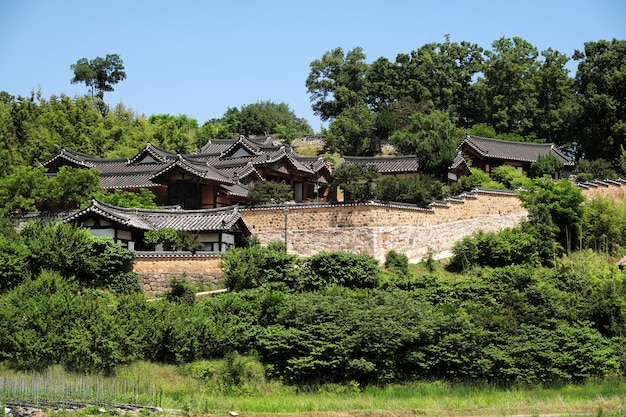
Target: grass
(199,389)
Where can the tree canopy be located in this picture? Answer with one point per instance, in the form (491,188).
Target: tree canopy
(100,74)
(512,89)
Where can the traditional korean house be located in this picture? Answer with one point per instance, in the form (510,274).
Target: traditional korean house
(405,165)
(487,153)
(217,229)
(217,175)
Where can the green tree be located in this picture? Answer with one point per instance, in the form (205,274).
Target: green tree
(351,132)
(508,88)
(71,188)
(99,74)
(356,181)
(433,138)
(339,268)
(21,190)
(510,176)
(142,199)
(175,133)
(254,266)
(418,189)
(599,126)
(545,165)
(337,81)
(270,192)
(555,210)
(555,98)
(266,118)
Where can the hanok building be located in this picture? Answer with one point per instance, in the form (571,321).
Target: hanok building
(406,165)
(487,153)
(219,174)
(216,229)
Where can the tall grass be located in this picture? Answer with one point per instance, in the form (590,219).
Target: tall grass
(57,386)
(204,388)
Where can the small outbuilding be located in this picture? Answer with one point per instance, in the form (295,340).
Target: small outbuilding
(216,229)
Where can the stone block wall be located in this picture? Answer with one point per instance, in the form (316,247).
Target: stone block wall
(376,228)
(157,268)
(369,228)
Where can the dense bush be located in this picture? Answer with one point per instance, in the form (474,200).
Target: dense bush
(507,247)
(70,250)
(419,189)
(255,265)
(339,268)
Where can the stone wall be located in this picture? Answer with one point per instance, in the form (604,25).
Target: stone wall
(157,268)
(375,228)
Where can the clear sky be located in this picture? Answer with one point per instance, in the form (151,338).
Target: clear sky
(199,58)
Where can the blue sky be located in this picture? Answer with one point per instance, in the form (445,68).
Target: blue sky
(199,58)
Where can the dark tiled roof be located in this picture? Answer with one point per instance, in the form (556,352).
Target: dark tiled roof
(194,167)
(386,164)
(211,163)
(222,219)
(512,151)
(158,154)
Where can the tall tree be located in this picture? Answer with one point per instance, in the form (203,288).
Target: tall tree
(509,86)
(99,74)
(555,98)
(433,138)
(599,126)
(351,132)
(337,81)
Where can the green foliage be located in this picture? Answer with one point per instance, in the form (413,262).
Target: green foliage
(419,189)
(509,176)
(270,192)
(555,210)
(597,121)
(478,178)
(176,133)
(356,181)
(21,189)
(495,249)
(71,251)
(99,73)
(181,291)
(545,165)
(337,82)
(397,262)
(14,263)
(351,132)
(164,236)
(604,226)
(597,168)
(266,118)
(339,268)
(71,188)
(253,266)
(172,239)
(433,138)
(119,198)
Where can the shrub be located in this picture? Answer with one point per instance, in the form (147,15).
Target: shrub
(165,236)
(495,249)
(252,266)
(397,262)
(181,291)
(419,189)
(14,263)
(270,192)
(339,268)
